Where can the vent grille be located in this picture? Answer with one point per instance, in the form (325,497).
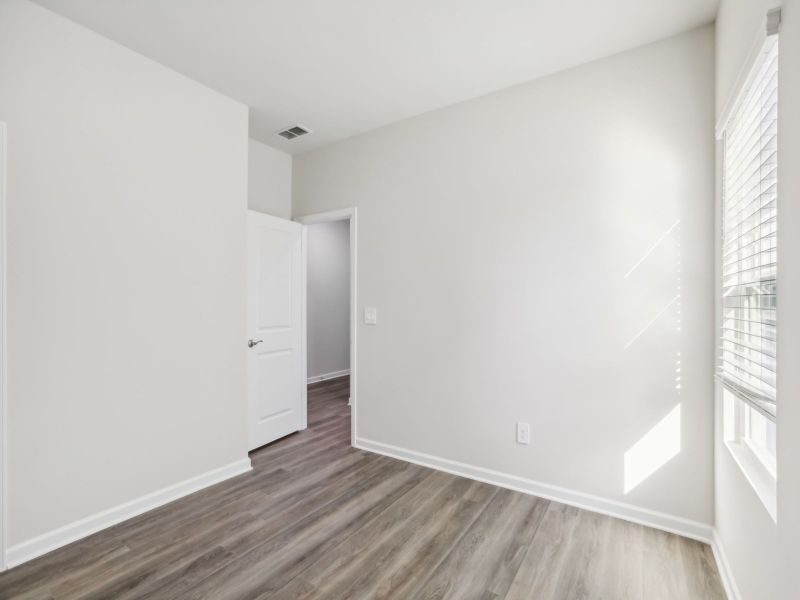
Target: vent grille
(292,132)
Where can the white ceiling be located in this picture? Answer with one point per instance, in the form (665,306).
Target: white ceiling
(342,67)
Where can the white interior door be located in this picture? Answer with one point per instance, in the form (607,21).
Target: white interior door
(276,366)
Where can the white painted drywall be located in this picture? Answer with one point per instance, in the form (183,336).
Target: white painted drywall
(127,195)
(328,309)
(765,556)
(515,249)
(269,180)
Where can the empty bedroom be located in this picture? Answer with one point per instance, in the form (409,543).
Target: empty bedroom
(409,299)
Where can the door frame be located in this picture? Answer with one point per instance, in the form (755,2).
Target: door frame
(3,354)
(345,214)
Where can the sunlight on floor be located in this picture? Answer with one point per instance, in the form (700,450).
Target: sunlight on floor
(654,450)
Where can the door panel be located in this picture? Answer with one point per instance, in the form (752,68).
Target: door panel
(276,322)
(275,249)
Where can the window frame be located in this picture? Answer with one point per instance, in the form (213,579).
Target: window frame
(750,460)
(757,463)
(763,454)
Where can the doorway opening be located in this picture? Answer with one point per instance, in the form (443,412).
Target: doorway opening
(330,254)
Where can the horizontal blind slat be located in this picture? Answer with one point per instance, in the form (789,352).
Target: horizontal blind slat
(748,262)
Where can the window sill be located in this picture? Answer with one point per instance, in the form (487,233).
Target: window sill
(761,480)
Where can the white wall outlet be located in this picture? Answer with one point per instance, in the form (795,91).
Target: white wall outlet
(370,315)
(523,433)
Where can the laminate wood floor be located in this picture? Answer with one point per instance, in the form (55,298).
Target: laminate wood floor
(319,519)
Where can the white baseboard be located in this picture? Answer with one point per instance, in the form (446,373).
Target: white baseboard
(643,516)
(724,568)
(62,536)
(326,376)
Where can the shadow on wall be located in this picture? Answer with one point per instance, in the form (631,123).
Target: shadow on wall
(663,441)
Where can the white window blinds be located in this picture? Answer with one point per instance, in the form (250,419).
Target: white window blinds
(749,252)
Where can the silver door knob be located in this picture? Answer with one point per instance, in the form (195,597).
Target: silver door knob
(251,343)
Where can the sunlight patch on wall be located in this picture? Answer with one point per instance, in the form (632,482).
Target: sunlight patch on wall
(653,450)
(642,331)
(652,248)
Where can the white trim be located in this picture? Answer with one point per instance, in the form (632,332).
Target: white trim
(303,326)
(3,357)
(764,484)
(84,527)
(327,376)
(724,568)
(769,26)
(628,512)
(753,468)
(350,214)
(340,214)
(353,324)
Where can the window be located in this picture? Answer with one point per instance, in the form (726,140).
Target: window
(750,438)
(758,432)
(749,251)
(748,351)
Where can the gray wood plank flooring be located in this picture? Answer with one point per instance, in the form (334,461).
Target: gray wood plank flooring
(317,518)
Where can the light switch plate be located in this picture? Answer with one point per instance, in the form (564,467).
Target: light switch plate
(370,315)
(523,433)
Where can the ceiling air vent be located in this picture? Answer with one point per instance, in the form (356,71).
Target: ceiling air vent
(292,132)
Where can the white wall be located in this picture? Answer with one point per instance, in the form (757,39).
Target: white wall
(515,249)
(269,180)
(765,557)
(127,194)
(328,284)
